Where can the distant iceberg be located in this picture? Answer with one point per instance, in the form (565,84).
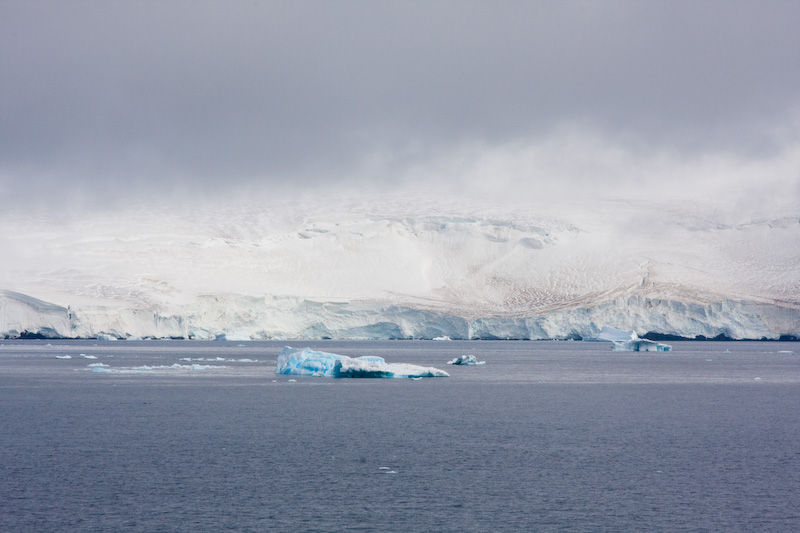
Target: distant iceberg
(237,336)
(629,341)
(308,362)
(466,360)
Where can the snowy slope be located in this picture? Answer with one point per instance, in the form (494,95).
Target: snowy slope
(419,268)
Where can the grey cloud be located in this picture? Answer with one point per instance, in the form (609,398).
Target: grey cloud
(200,95)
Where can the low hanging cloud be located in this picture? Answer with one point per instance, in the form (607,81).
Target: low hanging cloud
(113,102)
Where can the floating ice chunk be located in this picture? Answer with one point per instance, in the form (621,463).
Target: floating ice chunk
(63,357)
(308,362)
(175,366)
(629,341)
(100,370)
(88,356)
(97,365)
(466,360)
(640,345)
(106,337)
(442,338)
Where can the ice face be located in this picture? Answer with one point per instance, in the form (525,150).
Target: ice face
(308,362)
(613,334)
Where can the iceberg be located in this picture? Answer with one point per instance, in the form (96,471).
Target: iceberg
(308,362)
(466,360)
(629,341)
(237,336)
(641,345)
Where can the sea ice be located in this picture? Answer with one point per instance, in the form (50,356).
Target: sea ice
(466,360)
(308,362)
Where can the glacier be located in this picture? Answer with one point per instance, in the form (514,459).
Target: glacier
(389,270)
(308,362)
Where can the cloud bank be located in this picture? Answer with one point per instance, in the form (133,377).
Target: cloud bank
(108,102)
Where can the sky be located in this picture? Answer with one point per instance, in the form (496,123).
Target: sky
(108,102)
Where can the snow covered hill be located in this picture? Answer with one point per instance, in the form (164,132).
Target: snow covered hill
(420,268)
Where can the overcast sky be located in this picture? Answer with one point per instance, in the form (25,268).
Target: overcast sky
(141,98)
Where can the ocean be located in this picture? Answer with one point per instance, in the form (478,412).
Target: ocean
(546,436)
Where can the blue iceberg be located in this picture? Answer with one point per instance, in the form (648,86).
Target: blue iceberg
(308,362)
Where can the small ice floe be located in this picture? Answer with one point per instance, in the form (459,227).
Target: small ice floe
(100,370)
(97,365)
(466,360)
(88,356)
(63,357)
(106,337)
(757,379)
(176,366)
(292,381)
(785,351)
(386,470)
(442,338)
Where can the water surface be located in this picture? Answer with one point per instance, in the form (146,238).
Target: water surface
(547,436)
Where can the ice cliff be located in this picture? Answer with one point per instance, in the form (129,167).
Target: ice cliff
(288,318)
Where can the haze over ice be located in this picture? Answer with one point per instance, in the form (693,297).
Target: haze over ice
(468,169)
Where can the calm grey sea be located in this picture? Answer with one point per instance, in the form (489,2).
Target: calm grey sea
(547,436)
